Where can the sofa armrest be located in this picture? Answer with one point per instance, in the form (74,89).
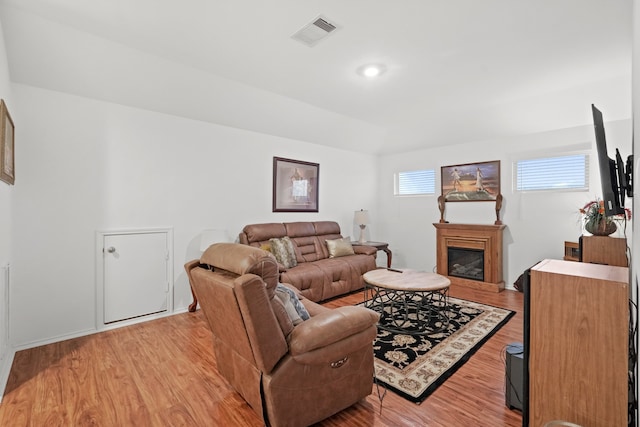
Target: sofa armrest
(365,250)
(333,334)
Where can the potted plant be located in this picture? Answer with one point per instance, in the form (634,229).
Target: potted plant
(597,223)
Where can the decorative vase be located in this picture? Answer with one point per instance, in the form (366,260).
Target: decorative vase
(601,228)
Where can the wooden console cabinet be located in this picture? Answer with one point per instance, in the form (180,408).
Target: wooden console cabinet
(604,250)
(577,315)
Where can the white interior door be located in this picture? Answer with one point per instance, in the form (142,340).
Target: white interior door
(136,279)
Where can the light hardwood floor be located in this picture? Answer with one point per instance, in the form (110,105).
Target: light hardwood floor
(163,373)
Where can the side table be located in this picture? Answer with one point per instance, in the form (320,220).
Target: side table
(381,246)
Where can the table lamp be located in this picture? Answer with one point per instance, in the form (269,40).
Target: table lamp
(362,219)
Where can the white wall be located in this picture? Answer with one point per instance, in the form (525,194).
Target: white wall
(6,195)
(88,165)
(537,223)
(85,165)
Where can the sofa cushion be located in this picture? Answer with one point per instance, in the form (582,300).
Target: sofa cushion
(308,278)
(340,247)
(308,249)
(326,227)
(263,232)
(299,229)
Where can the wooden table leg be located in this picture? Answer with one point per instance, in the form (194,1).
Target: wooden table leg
(388,252)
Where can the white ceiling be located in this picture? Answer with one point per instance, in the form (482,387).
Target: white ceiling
(457,70)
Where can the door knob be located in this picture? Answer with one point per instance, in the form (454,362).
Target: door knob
(111,249)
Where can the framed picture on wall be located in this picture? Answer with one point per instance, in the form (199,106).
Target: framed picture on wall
(471,182)
(295,185)
(7,147)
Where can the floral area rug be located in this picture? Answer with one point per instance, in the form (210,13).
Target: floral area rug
(415,365)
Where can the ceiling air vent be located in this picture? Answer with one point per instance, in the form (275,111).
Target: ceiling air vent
(315,31)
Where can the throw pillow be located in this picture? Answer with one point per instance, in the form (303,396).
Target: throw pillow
(291,250)
(300,309)
(281,314)
(339,247)
(284,251)
(288,306)
(266,247)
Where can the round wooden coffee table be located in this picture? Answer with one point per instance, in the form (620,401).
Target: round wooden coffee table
(415,301)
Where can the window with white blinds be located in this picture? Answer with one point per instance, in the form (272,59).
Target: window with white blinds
(553,173)
(414,183)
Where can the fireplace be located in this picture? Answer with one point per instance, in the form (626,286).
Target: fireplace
(470,255)
(465,263)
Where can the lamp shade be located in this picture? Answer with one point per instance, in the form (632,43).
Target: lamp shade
(211,236)
(362,217)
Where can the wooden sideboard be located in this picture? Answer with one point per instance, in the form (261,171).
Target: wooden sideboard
(578,324)
(604,250)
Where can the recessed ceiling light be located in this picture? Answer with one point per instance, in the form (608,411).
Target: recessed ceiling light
(371,70)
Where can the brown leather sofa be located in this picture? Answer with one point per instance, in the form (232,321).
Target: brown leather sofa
(290,375)
(316,275)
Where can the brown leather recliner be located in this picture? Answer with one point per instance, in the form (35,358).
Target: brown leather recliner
(290,375)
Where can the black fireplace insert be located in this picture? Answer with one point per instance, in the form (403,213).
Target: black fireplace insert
(466,263)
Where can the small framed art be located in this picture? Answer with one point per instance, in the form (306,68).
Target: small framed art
(295,185)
